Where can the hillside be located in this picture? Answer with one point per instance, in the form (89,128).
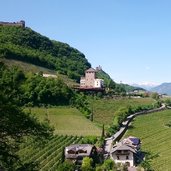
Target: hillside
(164,88)
(67,121)
(26,45)
(154,131)
(23,47)
(27,67)
(109,83)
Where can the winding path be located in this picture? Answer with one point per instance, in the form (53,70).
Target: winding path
(118,135)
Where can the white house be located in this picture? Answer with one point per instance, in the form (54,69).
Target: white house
(124,154)
(126,151)
(98,83)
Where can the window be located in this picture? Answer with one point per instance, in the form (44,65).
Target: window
(127,157)
(117,157)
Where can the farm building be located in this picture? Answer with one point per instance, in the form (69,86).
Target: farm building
(77,152)
(125,152)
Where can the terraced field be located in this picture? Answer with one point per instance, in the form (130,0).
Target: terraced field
(67,121)
(47,157)
(155,132)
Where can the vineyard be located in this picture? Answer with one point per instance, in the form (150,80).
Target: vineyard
(104,109)
(49,155)
(155,138)
(67,121)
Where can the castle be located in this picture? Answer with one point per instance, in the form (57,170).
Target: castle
(90,81)
(19,24)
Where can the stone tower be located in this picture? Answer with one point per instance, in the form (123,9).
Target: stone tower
(90,76)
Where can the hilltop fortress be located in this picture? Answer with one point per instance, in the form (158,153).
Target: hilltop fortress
(19,24)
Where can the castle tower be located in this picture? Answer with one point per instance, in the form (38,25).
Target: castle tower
(90,76)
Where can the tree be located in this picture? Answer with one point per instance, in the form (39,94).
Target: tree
(103,132)
(87,164)
(168,102)
(155,96)
(109,165)
(15,124)
(66,166)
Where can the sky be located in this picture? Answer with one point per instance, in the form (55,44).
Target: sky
(130,39)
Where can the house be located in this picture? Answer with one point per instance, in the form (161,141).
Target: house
(77,152)
(90,80)
(126,151)
(122,153)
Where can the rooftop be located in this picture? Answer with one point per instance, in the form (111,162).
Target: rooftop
(77,150)
(123,147)
(91,70)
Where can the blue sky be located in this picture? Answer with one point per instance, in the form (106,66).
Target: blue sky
(130,39)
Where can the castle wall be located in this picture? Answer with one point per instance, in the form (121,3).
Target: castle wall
(19,24)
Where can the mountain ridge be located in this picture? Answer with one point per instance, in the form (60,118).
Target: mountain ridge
(164,88)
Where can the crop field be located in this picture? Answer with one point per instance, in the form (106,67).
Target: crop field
(67,121)
(105,109)
(154,130)
(48,156)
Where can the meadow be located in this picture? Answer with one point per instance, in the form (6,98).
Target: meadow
(154,130)
(67,121)
(104,109)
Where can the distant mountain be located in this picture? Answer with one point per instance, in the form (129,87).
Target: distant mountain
(146,86)
(164,88)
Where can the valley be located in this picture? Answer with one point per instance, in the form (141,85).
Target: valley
(41,115)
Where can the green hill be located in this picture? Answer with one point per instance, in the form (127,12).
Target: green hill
(110,84)
(26,48)
(26,45)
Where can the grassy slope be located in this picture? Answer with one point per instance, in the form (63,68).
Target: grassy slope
(67,121)
(104,110)
(26,67)
(155,136)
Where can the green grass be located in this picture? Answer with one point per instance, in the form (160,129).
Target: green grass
(67,121)
(28,67)
(105,109)
(155,136)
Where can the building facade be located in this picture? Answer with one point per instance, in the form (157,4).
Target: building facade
(126,151)
(123,154)
(76,152)
(90,80)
